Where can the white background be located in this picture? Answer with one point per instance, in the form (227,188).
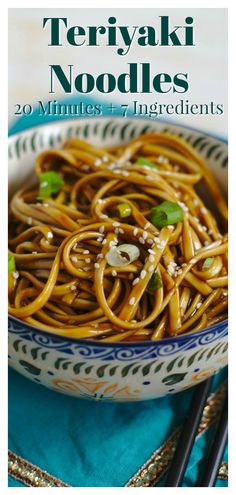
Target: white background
(206,63)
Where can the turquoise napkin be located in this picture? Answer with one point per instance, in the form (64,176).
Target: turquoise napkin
(94,444)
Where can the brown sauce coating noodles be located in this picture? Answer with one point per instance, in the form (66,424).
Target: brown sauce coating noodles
(64,284)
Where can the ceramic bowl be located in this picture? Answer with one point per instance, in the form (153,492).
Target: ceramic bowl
(113,371)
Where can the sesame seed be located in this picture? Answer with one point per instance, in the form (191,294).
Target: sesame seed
(45,205)
(204,228)
(151,258)
(136,281)
(135,231)
(162,159)
(112,243)
(104,241)
(87,260)
(145,234)
(151,251)
(203,210)
(103,215)
(170,227)
(121,231)
(184,264)
(96,265)
(141,240)
(151,268)
(132,301)
(86,251)
(49,235)
(170,269)
(73,287)
(125,173)
(147,225)
(87,268)
(150,241)
(97,162)
(198,305)
(99,239)
(100,201)
(29,220)
(117,171)
(34,252)
(101,229)
(105,158)
(114,273)
(195,202)
(206,243)
(100,255)
(74,258)
(193,260)
(116,230)
(143,274)
(116,224)
(183,205)
(15,275)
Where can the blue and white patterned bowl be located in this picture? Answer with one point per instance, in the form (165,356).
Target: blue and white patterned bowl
(113,371)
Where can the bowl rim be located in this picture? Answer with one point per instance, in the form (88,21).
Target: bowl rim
(144,343)
(148,343)
(56,122)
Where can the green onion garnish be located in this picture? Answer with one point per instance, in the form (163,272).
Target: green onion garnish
(167,213)
(154,283)
(11,263)
(50,182)
(122,255)
(124,210)
(207,263)
(143,161)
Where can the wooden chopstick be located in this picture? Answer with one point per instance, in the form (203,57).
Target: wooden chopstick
(217,449)
(188,434)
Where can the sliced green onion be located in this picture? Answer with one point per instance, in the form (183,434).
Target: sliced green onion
(143,161)
(122,255)
(167,213)
(207,263)
(124,209)
(11,263)
(50,182)
(154,283)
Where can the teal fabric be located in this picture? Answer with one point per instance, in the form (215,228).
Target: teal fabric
(93,443)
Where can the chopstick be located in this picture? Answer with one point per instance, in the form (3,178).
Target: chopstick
(217,449)
(188,434)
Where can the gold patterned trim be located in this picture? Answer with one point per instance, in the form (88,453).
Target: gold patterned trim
(156,466)
(223,471)
(29,474)
(148,475)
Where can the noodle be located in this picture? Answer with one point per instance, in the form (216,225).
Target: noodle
(63,282)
